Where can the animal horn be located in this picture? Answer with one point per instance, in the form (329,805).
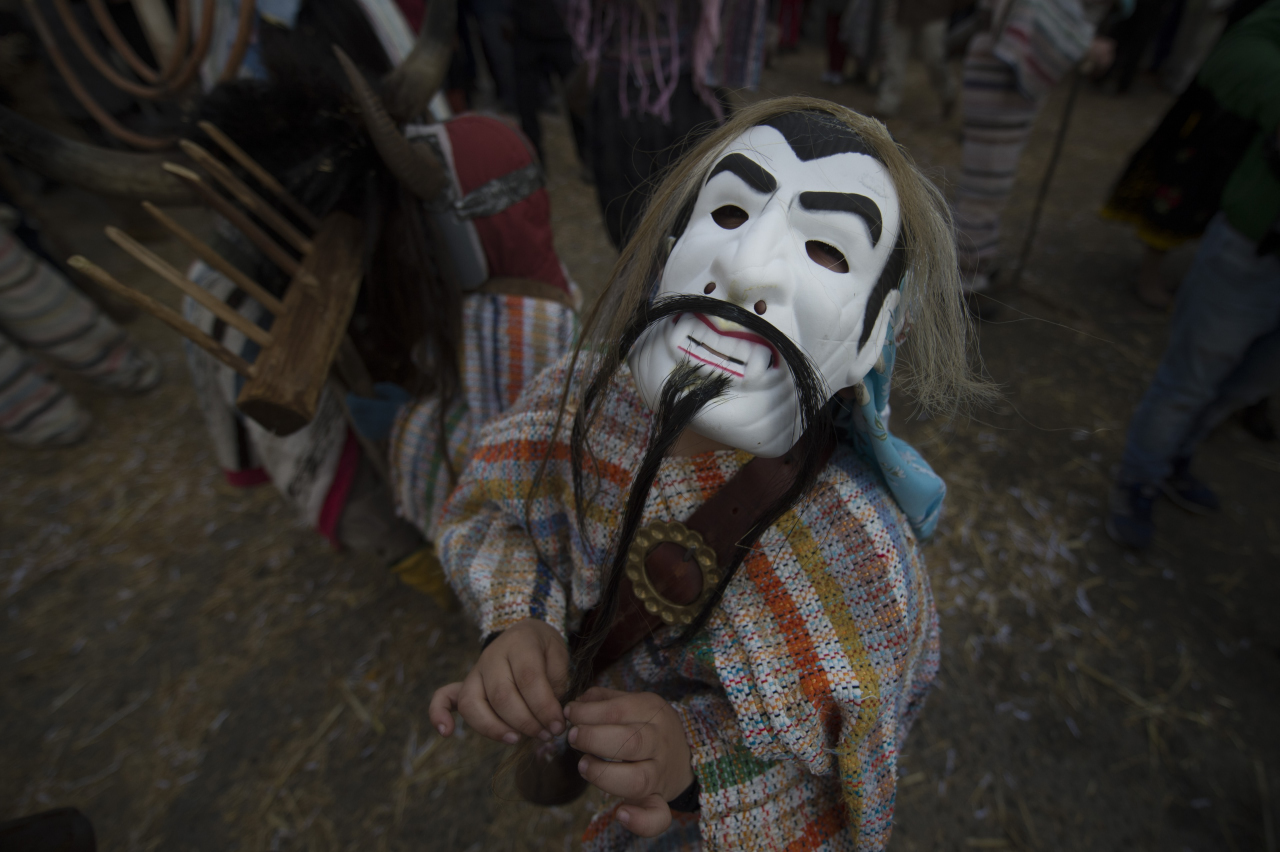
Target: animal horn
(410,87)
(100,170)
(416,166)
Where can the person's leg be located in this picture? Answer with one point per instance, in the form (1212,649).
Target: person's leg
(1197,33)
(662,143)
(1152,288)
(1257,376)
(559,58)
(34,409)
(42,311)
(528,74)
(494,22)
(460,79)
(837,53)
(790,17)
(629,152)
(1256,420)
(897,46)
(612,139)
(933,52)
(1253,381)
(1228,304)
(997,121)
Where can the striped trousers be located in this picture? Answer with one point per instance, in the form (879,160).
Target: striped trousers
(997,121)
(41,314)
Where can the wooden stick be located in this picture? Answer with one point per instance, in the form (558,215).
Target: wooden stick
(263,177)
(158,265)
(246,196)
(318,305)
(375,452)
(164,313)
(232,214)
(217,261)
(352,370)
(352,375)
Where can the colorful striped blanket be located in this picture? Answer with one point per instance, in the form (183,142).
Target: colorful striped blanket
(507,341)
(1042,40)
(799,692)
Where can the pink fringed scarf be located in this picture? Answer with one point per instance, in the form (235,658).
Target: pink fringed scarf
(602,27)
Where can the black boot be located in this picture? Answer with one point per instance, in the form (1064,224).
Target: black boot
(1256,420)
(60,830)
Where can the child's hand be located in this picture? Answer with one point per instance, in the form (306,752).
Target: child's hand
(512,688)
(634,747)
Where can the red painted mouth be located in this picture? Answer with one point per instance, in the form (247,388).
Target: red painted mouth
(774,359)
(695,356)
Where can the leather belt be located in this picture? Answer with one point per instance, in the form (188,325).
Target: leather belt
(673,567)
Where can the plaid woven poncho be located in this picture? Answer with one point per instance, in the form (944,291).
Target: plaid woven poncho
(797,695)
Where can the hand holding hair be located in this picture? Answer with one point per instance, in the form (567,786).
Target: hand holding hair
(512,689)
(634,746)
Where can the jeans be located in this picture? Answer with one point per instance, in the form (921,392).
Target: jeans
(1223,353)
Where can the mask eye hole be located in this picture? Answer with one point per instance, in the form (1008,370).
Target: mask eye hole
(729,217)
(826,256)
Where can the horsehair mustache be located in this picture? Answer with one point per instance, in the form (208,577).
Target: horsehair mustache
(685,393)
(809,386)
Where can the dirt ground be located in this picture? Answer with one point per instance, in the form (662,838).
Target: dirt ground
(195,670)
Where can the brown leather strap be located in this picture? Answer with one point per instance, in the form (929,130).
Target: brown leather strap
(725,519)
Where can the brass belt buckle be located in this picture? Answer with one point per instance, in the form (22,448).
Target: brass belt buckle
(677,533)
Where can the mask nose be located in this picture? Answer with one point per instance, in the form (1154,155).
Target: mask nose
(753,269)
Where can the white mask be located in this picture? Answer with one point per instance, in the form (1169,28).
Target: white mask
(777,261)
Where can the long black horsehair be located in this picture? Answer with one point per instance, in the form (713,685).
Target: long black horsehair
(685,392)
(683,397)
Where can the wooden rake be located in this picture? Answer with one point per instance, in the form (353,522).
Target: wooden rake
(308,335)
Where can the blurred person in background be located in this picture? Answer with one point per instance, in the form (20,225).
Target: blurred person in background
(1135,36)
(655,72)
(1203,21)
(1224,347)
(1022,50)
(541,47)
(862,34)
(1172,186)
(790,21)
(837,51)
(44,320)
(924,24)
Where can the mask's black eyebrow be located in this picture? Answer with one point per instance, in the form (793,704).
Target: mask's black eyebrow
(847,202)
(752,174)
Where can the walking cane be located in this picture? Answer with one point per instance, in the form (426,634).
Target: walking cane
(1036,212)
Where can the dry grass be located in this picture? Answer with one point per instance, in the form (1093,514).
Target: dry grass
(195,670)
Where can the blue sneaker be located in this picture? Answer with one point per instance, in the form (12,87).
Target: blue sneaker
(1129,521)
(1187,492)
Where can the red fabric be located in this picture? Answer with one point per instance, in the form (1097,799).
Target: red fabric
(517,242)
(336,500)
(413,11)
(247,478)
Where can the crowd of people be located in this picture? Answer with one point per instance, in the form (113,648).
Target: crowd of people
(566,484)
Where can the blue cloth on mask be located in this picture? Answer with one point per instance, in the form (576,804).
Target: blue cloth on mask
(918,490)
(374,417)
